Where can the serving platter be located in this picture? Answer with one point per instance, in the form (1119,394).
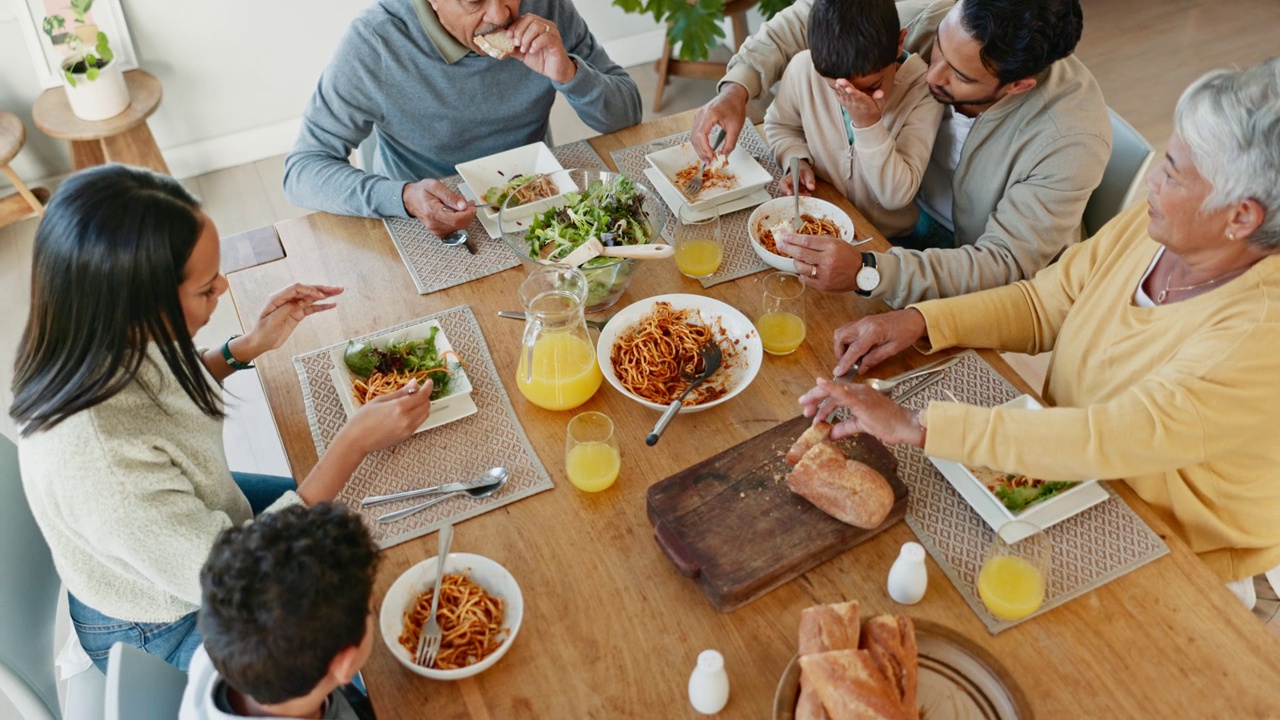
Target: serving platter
(958,680)
(1042,514)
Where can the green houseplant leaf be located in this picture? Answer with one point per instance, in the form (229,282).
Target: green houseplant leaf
(81,8)
(104,49)
(696,27)
(91,74)
(71,79)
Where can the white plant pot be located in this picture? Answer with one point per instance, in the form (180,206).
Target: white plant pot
(99,99)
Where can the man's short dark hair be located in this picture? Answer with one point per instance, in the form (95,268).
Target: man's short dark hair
(1021,38)
(848,38)
(284,595)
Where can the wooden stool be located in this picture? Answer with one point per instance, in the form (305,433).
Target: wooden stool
(667,66)
(124,138)
(26,202)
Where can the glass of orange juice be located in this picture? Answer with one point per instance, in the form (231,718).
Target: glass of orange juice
(591,458)
(1016,570)
(781,319)
(698,246)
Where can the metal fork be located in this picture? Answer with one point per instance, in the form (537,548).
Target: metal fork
(711,359)
(430,638)
(695,185)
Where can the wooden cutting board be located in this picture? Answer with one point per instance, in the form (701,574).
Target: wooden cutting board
(701,515)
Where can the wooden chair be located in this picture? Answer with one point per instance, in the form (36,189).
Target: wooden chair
(667,66)
(27,202)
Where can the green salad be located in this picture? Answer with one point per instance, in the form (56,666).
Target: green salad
(418,358)
(611,212)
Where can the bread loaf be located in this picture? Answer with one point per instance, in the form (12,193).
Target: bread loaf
(850,686)
(890,640)
(496,44)
(824,628)
(845,489)
(819,432)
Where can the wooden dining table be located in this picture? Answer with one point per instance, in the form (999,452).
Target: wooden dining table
(612,630)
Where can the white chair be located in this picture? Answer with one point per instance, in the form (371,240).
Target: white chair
(142,686)
(29,588)
(1131,154)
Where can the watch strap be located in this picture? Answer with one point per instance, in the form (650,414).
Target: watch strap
(231,360)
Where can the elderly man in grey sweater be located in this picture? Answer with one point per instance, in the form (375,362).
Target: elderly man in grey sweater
(409,73)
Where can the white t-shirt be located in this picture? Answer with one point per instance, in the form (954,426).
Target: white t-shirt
(206,695)
(935,187)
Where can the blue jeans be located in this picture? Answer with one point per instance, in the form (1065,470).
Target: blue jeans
(928,233)
(175,641)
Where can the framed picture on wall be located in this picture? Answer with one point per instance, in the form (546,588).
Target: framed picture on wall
(58,29)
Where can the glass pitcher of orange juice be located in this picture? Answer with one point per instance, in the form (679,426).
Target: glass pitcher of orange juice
(557,369)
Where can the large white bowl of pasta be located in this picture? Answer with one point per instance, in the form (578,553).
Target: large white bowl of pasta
(474,639)
(820,218)
(652,371)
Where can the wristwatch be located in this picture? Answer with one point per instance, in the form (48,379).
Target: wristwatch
(868,278)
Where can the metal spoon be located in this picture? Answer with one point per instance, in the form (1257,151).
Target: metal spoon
(711,356)
(485,480)
(884,386)
(459,237)
(476,493)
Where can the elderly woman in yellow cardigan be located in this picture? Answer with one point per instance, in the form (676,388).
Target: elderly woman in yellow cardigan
(1165,329)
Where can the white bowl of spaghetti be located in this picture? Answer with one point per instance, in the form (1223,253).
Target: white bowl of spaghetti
(647,350)
(820,218)
(480,611)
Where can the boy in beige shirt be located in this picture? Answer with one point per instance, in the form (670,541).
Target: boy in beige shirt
(857,110)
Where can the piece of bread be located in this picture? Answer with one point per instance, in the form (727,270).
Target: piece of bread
(849,686)
(496,44)
(824,628)
(845,489)
(817,433)
(890,640)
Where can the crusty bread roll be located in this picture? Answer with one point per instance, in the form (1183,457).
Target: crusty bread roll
(823,628)
(845,489)
(890,640)
(850,686)
(819,432)
(496,44)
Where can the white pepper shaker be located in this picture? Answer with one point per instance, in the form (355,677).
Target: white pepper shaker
(709,684)
(908,577)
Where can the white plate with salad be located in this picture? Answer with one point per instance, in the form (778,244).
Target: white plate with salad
(522,172)
(384,362)
(999,497)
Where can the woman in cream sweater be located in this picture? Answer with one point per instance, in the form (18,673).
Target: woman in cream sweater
(120,414)
(1165,329)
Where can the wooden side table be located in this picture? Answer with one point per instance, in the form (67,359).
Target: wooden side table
(124,138)
(666,66)
(27,201)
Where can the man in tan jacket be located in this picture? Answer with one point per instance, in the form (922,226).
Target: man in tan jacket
(1023,144)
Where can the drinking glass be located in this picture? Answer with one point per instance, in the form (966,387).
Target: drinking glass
(698,245)
(781,319)
(591,458)
(1016,570)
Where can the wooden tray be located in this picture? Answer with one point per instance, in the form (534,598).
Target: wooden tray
(701,517)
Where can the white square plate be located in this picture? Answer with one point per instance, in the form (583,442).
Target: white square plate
(454,406)
(750,175)
(674,199)
(1042,514)
(499,169)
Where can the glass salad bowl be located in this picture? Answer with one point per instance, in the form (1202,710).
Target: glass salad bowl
(562,210)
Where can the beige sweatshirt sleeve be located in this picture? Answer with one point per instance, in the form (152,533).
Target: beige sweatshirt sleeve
(892,167)
(783,121)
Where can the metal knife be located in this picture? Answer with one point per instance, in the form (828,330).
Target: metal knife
(435,490)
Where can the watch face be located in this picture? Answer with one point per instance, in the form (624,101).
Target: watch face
(868,278)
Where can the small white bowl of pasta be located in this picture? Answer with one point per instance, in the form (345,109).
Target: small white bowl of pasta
(823,217)
(468,577)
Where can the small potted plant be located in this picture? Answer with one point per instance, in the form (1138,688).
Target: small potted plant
(95,86)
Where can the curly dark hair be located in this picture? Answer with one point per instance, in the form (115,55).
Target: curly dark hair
(849,38)
(1021,38)
(285,594)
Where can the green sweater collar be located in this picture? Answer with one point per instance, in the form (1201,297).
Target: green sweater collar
(447,45)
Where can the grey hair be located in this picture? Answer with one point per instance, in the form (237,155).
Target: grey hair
(1230,121)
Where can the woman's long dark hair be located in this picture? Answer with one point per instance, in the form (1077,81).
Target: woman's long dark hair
(110,254)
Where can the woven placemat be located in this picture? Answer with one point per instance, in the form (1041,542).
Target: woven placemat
(739,259)
(1089,549)
(435,266)
(459,450)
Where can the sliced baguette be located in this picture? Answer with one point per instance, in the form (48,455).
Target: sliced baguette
(845,489)
(497,44)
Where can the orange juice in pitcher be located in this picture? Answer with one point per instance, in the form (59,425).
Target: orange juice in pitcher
(557,369)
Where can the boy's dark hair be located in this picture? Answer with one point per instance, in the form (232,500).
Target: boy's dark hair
(1021,38)
(852,37)
(285,594)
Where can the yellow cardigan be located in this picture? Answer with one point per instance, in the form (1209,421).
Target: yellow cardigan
(1179,401)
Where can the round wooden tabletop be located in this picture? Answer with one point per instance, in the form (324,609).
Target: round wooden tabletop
(12,135)
(52,113)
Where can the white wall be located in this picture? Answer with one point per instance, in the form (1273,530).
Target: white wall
(237,73)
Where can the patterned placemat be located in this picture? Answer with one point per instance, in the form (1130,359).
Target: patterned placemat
(739,259)
(1089,549)
(435,266)
(459,450)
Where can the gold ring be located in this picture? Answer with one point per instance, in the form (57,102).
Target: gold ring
(814,272)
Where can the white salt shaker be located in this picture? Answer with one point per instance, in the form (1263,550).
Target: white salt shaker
(908,577)
(709,684)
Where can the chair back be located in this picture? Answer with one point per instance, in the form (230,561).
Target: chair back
(29,588)
(1131,154)
(142,686)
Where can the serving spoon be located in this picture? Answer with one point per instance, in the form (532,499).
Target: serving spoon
(480,491)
